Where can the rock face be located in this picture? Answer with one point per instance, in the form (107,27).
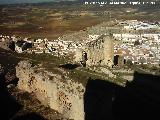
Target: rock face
(7,44)
(1,74)
(7,76)
(1,69)
(54,90)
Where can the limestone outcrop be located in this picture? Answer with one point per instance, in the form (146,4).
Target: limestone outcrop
(54,90)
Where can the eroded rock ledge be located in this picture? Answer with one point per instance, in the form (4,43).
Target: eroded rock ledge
(56,91)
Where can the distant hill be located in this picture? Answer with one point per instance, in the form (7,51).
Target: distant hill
(28,1)
(66,1)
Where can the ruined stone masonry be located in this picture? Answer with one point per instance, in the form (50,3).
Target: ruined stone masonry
(97,52)
(53,90)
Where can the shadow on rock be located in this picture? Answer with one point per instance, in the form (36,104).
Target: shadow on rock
(140,99)
(8,105)
(30,116)
(98,100)
(69,66)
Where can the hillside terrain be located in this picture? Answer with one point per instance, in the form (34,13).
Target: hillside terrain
(51,20)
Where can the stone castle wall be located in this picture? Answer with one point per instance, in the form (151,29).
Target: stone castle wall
(98,52)
(95,52)
(53,90)
(108,50)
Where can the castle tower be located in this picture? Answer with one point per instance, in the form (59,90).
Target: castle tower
(78,55)
(97,52)
(108,50)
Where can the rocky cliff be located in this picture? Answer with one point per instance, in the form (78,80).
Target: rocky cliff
(53,90)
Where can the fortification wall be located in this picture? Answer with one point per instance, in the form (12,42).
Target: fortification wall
(53,90)
(108,50)
(98,52)
(95,52)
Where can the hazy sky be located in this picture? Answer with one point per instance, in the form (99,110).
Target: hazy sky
(27,1)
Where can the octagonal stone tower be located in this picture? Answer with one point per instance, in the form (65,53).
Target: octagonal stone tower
(98,52)
(108,50)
